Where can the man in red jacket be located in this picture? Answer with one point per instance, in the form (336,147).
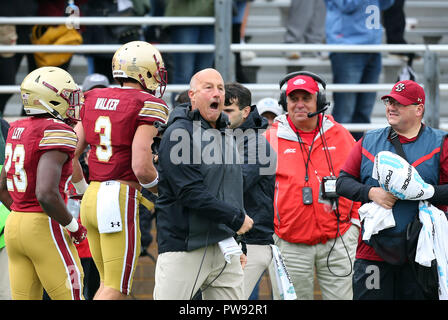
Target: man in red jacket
(314,231)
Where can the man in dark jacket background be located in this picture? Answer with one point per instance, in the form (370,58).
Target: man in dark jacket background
(258,186)
(200,200)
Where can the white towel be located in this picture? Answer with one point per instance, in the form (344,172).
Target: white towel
(433,243)
(284,284)
(108,207)
(229,247)
(425,245)
(375,218)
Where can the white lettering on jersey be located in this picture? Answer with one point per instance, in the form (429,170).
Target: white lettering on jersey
(106,104)
(17,133)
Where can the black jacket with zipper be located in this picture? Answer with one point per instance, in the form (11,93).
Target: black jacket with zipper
(200,190)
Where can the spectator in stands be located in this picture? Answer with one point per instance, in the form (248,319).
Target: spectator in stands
(55,34)
(153,32)
(258,186)
(8,36)
(351,23)
(394,20)
(113,34)
(269,108)
(10,63)
(186,64)
(316,233)
(159,33)
(303,22)
(239,21)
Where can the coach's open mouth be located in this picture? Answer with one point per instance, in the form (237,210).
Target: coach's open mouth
(214,105)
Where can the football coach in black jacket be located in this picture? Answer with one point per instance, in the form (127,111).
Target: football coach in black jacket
(200,198)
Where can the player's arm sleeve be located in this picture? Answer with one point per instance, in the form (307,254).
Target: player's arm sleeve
(153,111)
(61,138)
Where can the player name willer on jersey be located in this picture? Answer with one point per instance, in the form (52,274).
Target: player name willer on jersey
(106,104)
(231,140)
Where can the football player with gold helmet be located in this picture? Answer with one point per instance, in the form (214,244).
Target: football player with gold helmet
(118,125)
(40,231)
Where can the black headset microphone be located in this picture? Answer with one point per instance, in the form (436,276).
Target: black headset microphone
(312,114)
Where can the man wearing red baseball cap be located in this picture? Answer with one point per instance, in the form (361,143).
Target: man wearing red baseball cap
(301,98)
(423,147)
(309,225)
(407,92)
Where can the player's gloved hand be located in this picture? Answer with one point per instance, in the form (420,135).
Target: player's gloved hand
(76,231)
(78,236)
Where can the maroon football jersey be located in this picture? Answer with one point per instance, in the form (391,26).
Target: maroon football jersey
(110,118)
(27,140)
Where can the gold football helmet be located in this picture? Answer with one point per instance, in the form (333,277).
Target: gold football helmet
(142,62)
(51,90)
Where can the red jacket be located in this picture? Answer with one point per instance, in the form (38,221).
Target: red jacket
(314,223)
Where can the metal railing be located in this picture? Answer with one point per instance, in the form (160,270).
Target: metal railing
(223,49)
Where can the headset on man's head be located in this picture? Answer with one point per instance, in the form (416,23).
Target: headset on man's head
(322,103)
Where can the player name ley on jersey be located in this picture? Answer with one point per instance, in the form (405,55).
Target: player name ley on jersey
(106,104)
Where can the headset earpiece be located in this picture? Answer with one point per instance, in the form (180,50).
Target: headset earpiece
(282,100)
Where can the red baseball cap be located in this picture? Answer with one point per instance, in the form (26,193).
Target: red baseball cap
(407,92)
(302,83)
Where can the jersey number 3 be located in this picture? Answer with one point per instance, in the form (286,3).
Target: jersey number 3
(103,127)
(18,157)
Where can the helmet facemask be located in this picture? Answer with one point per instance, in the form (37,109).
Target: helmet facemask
(161,77)
(75,100)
